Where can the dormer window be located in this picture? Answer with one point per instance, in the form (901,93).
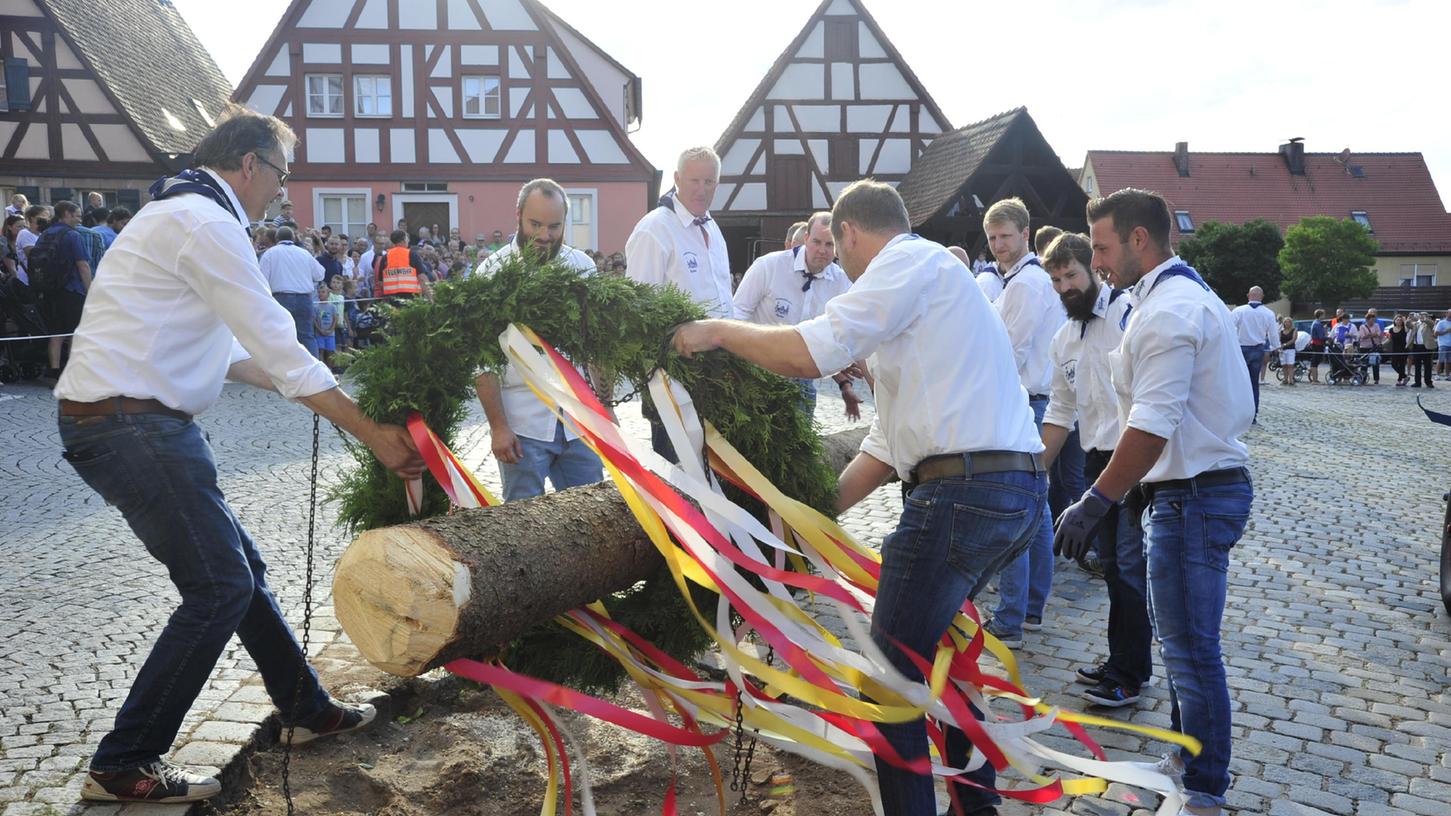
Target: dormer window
(1186,224)
(1362,218)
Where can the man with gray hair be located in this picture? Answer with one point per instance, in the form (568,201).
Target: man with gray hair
(794,285)
(182,307)
(796,236)
(529,441)
(952,421)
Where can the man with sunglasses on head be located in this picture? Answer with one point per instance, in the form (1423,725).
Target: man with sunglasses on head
(183,306)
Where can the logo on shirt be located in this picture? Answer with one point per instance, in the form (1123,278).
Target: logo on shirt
(692,262)
(783,307)
(1070,371)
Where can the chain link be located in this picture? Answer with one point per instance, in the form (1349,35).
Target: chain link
(306,615)
(741,769)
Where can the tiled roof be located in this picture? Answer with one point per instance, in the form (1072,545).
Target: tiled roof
(949,162)
(149,59)
(1395,190)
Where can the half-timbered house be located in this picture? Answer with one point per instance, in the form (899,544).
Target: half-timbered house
(436,111)
(83,104)
(839,104)
(964,172)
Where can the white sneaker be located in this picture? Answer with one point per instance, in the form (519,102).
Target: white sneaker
(1169,765)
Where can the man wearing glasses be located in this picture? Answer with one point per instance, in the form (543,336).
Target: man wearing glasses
(184,307)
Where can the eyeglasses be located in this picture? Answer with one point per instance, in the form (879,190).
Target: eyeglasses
(281,174)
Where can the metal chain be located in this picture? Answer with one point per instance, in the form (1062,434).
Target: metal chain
(306,616)
(742,769)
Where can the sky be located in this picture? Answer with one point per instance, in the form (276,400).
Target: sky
(1242,75)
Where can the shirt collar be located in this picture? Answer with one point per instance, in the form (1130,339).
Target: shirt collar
(231,195)
(1100,306)
(1141,289)
(687,219)
(1018,267)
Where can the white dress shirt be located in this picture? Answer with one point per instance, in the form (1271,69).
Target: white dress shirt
(1255,324)
(526,414)
(181,301)
(991,284)
(1032,312)
(1180,376)
(771,291)
(668,247)
(291,270)
(364,267)
(946,382)
(1082,383)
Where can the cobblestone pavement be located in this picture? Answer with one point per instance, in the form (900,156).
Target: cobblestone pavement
(1337,648)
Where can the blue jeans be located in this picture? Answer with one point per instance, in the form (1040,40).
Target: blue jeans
(1254,360)
(1190,534)
(159,472)
(303,309)
(1025,583)
(953,535)
(1120,548)
(1065,478)
(808,396)
(567,463)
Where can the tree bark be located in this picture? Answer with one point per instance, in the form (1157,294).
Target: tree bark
(415,596)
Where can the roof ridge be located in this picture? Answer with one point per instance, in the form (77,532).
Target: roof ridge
(995,117)
(1118,151)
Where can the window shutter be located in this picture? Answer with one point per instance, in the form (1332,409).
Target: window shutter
(17,84)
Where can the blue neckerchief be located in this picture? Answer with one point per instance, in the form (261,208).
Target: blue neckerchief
(666,201)
(1033,261)
(1178,270)
(1113,294)
(199,182)
(1253,304)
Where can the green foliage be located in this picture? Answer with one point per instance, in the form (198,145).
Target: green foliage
(1232,258)
(429,362)
(1328,260)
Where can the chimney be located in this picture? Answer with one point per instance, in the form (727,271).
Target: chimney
(1293,152)
(1181,158)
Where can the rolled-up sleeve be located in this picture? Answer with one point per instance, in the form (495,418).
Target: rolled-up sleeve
(221,267)
(882,303)
(874,444)
(1162,360)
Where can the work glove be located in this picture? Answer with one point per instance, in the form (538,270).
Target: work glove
(1079,523)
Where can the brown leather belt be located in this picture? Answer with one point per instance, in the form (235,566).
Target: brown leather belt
(119,405)
(975,463)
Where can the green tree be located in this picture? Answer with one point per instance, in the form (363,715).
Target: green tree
(1328,260)
(1232,258)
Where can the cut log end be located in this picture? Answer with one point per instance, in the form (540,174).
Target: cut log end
(398,592)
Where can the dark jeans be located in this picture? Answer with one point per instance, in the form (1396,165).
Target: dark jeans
(953,535)
(159,472)
(1121,551)
(1190,534)
(1398,362)
(1421,362)
(1254,360)
(303,309)
(1066,478)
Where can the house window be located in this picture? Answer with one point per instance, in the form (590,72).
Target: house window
(1362,218)
(580,233)
(15,85)
(1418,275)
(481,97)
(841,40)
(1186,224)
(843,158)
(345,212)
(4,93)
(324,95)
(372,95)
(425,186)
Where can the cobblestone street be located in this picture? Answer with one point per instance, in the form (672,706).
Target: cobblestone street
(1337,648)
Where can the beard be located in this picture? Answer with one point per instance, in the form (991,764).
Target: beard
(550,250)
(1079,304)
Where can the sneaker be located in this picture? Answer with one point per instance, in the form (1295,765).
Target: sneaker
(160,781)
(1169,765)
(1196,810)
(1092,675)
(1091,564)
(1008,639)
(337,718)
(1033,623)
(1111,695)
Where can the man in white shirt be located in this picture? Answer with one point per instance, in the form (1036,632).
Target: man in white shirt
(1032,313)
(529,441)
(1083,394)
(182,307)
(794,285)
(292,273)
(952,421)
(1184,406)
(37,217)
(1258,331)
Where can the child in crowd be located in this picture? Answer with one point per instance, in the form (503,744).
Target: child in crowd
(335,299)
(325,325)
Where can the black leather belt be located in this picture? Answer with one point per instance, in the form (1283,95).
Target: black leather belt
(974,463)
(1209,478)
(1036,397)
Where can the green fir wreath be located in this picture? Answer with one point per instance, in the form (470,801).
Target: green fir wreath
(434,350)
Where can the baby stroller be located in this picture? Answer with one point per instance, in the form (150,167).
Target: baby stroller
(20,359)
(1348,366)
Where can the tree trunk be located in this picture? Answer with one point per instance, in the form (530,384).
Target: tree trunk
(415,596)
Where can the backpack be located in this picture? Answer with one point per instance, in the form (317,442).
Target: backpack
(44,268)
